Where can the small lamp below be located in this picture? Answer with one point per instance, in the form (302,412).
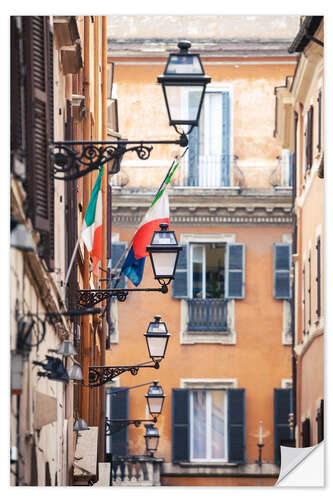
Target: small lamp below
(152,438)
(20,237)
(80,425)
(75,372)
(155,398)
(67,349)
(157,338)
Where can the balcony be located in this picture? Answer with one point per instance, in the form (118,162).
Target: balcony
(209,315)
(136,471)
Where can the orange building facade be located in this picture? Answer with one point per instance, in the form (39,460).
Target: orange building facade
(227,373)
(301,129)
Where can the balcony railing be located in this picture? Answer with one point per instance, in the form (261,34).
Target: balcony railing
(207,314)
(136,471)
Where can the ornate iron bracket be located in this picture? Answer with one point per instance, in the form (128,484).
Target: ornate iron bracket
(74,159)
(100,375)
(115,425)
(88,298)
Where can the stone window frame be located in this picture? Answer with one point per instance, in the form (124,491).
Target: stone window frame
(227,337)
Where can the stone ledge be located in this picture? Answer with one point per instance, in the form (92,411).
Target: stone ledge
(219,469)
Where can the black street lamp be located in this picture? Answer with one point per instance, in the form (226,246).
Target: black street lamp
(164,252)
(183,72)
(152,438)
(155,398)
(157,338)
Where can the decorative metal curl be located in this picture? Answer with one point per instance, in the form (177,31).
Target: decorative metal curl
(100,375)
(88,298)
(115,425)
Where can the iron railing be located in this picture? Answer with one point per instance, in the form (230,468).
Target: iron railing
(207,314)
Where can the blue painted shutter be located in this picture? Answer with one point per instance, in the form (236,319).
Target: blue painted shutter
(180,425)
(119,410)
(235,271)
(117,250)
(225,173)
(282,408)
(193,144)
(282,263)
(236,426)
(179,284)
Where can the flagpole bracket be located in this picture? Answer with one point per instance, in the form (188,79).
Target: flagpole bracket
(88,298)
(74,159)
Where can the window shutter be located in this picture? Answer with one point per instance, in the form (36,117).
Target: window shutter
(282,264)
(119,410)
(117,251)
(235,271)
(318,277)
(16,102)
(282,408)
(179,284)
(180,425)
(306,433)
(236,426)
(38,47)
(320,422)
(309,138)
(193,144)
(225,174)
(319,121)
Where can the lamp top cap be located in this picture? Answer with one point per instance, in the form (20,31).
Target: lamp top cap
(157,318)
(184,45)
(164,226)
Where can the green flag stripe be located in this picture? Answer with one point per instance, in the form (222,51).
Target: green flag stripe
(91,209)
(166,182)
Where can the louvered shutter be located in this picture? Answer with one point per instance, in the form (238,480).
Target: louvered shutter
(309,139)
(225,173)
(320,422)
(282,264)
(180,425)
(193,143)
(117,251)
(236,426)
(16,101)
(318,277)
(319,121)
(180,284)
(282,408)
(235,271)
(306,433)
(39,124)
(119,411)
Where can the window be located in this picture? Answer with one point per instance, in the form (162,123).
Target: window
(309,288)
(306,433)
(117,407)
(303,301)
(208,270)
(309,140)
(208,439)
(319,121)
(209,143)
(282,265)
(282,409)
(320,422)
(318,277)
(208,425)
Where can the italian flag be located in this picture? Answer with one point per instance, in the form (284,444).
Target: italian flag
(91,231)
(158,213)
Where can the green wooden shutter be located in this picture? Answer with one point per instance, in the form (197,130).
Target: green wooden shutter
(180,284)
(235,271)
(119,410)
(282,265)
(306,433)
(225,173)
(236,426)
(180,425)
(193,144)
(117,251)
(282,408)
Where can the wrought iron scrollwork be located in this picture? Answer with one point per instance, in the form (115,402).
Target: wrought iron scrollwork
(100,375)
(88,298)
(115,425)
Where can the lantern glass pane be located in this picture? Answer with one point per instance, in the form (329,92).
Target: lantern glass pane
(164,263)
(179,113)
(184,64)
(152,443)
(156,346)
(164,238)
(158,327)
(155,404)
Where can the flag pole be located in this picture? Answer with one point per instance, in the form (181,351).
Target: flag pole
(72,261)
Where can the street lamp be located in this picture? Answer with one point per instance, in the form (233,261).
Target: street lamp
(157,338)
(155,399)
(163,252)
(152,438)
(183,72)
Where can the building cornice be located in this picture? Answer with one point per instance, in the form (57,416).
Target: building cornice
(195,206)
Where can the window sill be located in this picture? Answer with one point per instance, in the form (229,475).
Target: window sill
(207,337)
(222,469)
